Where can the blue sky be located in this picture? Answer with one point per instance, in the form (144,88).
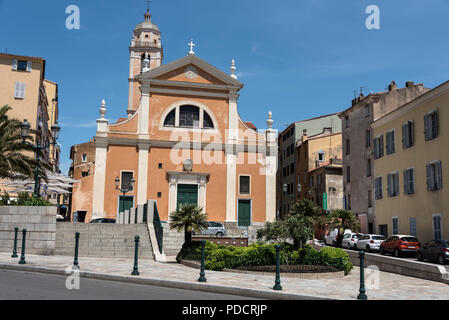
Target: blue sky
(298,58)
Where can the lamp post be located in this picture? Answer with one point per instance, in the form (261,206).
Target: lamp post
(126,189)
(25,127)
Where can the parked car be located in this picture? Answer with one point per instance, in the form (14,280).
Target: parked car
(350,240)
(216,229)
(331,237)
(399,244)
(103,220)
(60,218)
(370,242)
(434,250)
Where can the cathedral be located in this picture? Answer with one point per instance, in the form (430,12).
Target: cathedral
(181,141)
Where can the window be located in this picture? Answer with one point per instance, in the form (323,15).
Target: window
(347,121)
(288,151)
(378,147)
(84,173)
(321,155)
(409,181)
(189,116)
(378,188)
(19,90)
(413,227)
(431,125)
(311,181)
(22,65)
(126,180)
(348,174)
(349,202)
(84,158)
(319,178)
(437,234)
(434,176)
(348,147)
(292,168)
(393,184)
(368,138)
(408,134)
(368,168)
(284,172)
(395,225)
(370,198)
(170,119)
(244,185)
(390,142)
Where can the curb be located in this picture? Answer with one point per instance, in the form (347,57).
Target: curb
(246,292)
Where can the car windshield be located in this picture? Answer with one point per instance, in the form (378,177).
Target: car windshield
(378,238)
(409,239)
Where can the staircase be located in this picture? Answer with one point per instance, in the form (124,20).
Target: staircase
(103,240)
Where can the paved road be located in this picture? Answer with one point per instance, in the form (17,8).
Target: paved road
(21,285)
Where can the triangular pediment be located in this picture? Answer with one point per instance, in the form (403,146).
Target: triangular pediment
(189,69)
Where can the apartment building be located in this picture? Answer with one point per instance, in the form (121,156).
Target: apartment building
(411,167)
(358,159)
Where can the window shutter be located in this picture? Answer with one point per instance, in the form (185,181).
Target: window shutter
(426,127)
(412,181)
(22,90)
(396,184)
(404,136)
(17,89)
(14,64)
(411,133)
(375,149)
(435,124)
(29,65)
(389,185)
(381,146)
(405,173)
(439,175)
(428,171)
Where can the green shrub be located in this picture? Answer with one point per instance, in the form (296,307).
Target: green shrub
(340,257)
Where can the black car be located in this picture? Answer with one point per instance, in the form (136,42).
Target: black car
(103,220)
(434,250)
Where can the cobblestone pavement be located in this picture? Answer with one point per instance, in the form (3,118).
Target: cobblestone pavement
(379,285)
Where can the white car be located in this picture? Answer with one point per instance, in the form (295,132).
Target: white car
(331,237)
(350,240)
(370,242)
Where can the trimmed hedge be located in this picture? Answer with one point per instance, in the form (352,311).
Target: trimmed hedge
(219,257)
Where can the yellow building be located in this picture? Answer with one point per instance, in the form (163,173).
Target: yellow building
(51,89)
(411,167)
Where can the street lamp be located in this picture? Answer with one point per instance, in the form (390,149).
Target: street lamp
(25,127)
(124,190)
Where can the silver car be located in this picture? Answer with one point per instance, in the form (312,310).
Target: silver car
(370,242)
(215,229)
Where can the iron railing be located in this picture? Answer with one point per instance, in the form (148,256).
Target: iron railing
(158,229)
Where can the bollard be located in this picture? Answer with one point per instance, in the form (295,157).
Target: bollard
(136,250)
(77,239)
(202,277)
(14,251)
(22,256)
(277,282)
(362,295)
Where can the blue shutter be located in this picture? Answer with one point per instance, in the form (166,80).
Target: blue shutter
(404,136)
(411,133)
(396,184)
(439,175)
(405,173)
(426,127)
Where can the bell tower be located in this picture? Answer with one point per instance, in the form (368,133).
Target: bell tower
(145,51)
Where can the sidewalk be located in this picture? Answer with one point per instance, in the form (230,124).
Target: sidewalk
(390,286)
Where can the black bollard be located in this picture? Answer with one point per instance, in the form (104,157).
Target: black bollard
(22,256)
(77,239)
(277,282)
(202,277)
(362,295)
(14,251)
(136,256)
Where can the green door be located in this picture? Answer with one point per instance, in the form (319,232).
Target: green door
(125,203)
(244,213)
(187,194)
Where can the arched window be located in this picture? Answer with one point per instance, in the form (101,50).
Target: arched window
(170,119)
(189,116)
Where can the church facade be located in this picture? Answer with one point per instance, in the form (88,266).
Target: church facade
(183,142)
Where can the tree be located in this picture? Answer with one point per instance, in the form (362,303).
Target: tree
(15,156)
(305,208)
(188,217)
(274,231)
(300,229)
(341,220)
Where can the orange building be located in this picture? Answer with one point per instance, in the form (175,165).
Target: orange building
(183,142)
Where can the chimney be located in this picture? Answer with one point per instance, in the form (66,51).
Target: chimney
(409,84)
(392,86)
(304,135)
(327,130)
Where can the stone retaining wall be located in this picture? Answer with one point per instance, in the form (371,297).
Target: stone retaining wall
(40,223)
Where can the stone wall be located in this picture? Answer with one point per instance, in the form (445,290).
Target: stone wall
(40,223)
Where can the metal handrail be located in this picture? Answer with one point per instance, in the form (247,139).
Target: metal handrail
(159,230)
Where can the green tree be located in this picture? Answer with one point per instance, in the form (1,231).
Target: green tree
(188,217)
(16,157)
(341,220)
(305,208)
(300,229)
(276,231)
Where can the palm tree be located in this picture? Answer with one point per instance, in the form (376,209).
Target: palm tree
(305,208)
(341,220)
(15,156)
(188,217)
